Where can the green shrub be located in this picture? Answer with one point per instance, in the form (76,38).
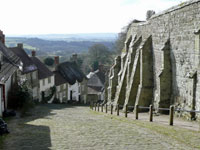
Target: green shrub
(19,97)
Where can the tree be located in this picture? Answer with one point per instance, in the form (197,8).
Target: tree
(49,61)
(99,53)
(95,65)
(119,44)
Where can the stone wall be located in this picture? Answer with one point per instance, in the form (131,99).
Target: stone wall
(167,71)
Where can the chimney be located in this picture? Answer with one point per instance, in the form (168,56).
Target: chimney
(56,60)
(20,45)
(2,37)
(101,68)
(74,57)
(33,53)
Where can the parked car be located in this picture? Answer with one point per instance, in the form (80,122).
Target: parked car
(3,127)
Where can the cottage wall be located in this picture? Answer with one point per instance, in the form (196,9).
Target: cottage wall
(84,91)
(32,83)
(7,89)
(47,85)
(75,88)
(61,92)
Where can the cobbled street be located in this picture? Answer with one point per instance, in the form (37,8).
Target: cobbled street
(61,127)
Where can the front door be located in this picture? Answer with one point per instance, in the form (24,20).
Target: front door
(71,95)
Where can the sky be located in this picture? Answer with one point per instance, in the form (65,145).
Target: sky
(20,17)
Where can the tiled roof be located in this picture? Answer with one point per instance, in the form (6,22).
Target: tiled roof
(93,78)
(43,71)
(101,76)
(7,70)
(94,90)
(71,72)
(59,80)
(28,65)
(10,63)
(9,55)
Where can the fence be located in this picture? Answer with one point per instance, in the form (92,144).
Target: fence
(136,108)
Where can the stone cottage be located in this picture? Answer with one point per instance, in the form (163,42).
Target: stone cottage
(10,65)
(160,62)
(29,70)
(72,74)
(46,79)
(95,86)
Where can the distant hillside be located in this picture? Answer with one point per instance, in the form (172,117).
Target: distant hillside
(95,37)
(54,47)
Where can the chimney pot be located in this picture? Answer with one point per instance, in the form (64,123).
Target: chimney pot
(33,53)
(101,68)
(56,60)
(2,37)
(74,57)
(20,45)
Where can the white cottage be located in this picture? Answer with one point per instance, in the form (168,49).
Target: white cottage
(75,78)
(45,76)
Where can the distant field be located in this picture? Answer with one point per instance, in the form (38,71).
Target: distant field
(12,42)
(55,47)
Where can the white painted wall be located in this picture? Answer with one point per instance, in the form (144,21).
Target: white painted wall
(75,91)
(102,95)
(61,94)
(35,92)
(47,85)
(7,88)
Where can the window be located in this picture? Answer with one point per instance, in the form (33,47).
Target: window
(43,82)
(58,88)
(64,94)
(79,89)
(61,87)
(34,92)
(49,79)
(34,75)
(82,87)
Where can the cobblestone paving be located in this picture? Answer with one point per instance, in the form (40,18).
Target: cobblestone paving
(59,127)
